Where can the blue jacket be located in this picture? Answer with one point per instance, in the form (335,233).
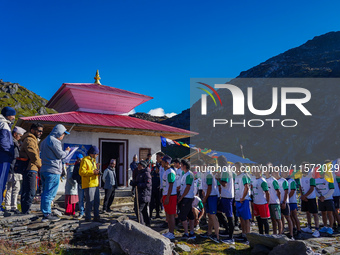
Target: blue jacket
(6,141)
(52,152)
(109,178)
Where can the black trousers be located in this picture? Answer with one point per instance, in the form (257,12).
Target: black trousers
(143,213)
(109,197)
(28,190)
(155,202)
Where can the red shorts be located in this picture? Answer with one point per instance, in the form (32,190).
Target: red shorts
(262,211)
(171,207)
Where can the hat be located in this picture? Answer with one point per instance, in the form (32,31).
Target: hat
(80,155)
(93,150)
(167,159)
(135,156)
(143,163)
(19,130)
(8,111)
(112,161)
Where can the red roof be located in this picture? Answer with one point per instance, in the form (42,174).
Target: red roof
(107,120)
(89,97)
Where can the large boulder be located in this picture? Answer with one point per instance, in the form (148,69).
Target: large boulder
(131,237)
(260,249)
(292,248)
(270,241)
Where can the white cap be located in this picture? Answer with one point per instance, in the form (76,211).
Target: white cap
(19,130)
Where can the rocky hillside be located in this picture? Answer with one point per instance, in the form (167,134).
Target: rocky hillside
(146,116)
(24,101)
(316,138)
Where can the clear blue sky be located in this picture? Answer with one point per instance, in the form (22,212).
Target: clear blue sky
(150,47)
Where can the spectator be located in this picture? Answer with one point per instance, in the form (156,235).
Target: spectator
(149,160)
(7,117)
(143,184)
(77,178)
(110,185)
(71,192)
(51,169)
(30,150)
(90,183)
(13,181)
(155,193)
(133,167)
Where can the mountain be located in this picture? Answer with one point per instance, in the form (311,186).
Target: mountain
(315,139)
(24,101)
(148,117)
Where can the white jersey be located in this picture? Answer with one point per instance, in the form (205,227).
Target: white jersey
(292,186)
(209,179)
(187,179)
(228,190)
(323,187)
(306,182)
(197,183)
(197,203)
(169,176)
(259,187)
(240,182)
(283,184)
(273,186)
(179,174)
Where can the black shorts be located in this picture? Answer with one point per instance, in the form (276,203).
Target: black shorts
(309,206)
(185,209)
(336,202)
(285,211)
(326,206)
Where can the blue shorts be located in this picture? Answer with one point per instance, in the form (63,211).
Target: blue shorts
(226,206)
(243,210)
(211,205)
(293,206)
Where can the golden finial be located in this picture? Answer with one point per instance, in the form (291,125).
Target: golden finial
(97,78)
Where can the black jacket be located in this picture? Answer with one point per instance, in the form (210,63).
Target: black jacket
(75,174)
(144,184)
(155,180)
(16,154)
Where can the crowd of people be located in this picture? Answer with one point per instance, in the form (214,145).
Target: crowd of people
(228,199)
(234,200)
(23,161)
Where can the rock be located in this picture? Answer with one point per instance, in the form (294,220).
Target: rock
(260,249)
(42,111)
(270,241)
(6,96)
(291,248)
(328,250)
(183,247)
(134,238)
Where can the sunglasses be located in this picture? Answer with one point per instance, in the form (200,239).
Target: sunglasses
(40,131)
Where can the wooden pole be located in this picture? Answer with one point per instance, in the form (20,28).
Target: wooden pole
(138,215)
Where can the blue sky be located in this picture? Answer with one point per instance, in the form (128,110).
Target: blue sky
(150,47)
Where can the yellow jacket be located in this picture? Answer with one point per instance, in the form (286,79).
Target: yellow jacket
(88,178)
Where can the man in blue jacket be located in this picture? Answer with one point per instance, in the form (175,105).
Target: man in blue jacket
(110,185)
(7,118)
(51,169)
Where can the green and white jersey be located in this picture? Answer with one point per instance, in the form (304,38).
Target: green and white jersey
(209,179)
(187,179)
(259,187)
(240,181)
(322,187)
(336,185)
(292,186)
(305,183)
(179,174)
(283,184)
(228,190)
(197,203)
(273,186)
(169,176)
(252,179)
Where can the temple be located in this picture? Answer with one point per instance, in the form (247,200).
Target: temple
(97,115)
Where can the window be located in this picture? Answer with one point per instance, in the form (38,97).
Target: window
(143,153)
